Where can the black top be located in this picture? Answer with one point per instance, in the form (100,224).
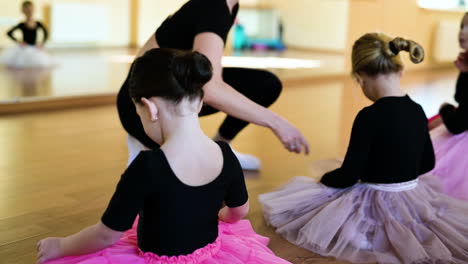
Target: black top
(196,16)
(456,119)
(461,93)
(29,34)
(178,32)
(175,219)
(389,143)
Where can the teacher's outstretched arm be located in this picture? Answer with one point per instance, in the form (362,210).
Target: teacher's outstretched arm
(223,97)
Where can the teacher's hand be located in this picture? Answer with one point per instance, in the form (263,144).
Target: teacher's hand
(290,136)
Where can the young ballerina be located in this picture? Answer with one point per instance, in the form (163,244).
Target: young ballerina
(456,119)
(243,94)
(177,190)
(28,53)
(375,207)
(451,139)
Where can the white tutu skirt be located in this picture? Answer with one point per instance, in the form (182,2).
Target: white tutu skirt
(410,222)
(26,57)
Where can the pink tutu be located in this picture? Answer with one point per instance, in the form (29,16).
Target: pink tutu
(452,161)
(236,244)
(367,223)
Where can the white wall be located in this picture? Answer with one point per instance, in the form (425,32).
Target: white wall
(118,20)
(314,24)
(152,13)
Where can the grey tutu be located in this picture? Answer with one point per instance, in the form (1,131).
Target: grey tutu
(398,223)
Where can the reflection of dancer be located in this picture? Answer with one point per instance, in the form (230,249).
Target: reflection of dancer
(243,94)
(30,81)
(375,208)
(451,139)
(177,193)
(28,53)
(29,28)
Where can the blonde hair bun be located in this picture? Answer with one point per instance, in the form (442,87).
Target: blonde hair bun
(415,50)
(377,53)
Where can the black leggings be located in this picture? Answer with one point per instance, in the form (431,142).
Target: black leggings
(260,86)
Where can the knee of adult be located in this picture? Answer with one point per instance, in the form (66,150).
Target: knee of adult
(274,86)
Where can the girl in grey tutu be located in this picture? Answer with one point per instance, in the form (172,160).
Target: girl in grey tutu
(376,207)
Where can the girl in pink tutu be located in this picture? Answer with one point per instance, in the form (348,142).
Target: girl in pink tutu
(177,190)
(451,139)
(375,207)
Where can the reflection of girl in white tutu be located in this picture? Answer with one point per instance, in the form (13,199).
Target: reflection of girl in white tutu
(27,53)
(375,207)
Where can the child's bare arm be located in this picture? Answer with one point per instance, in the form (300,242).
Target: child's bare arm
(232,215)
(88,240)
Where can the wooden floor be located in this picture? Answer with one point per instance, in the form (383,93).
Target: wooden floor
(59,169)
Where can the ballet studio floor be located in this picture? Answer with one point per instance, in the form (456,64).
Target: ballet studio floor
(59,168)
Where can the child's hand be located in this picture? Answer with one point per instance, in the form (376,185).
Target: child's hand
(462,62)
(47,249)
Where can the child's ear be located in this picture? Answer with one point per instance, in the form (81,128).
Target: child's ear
(152,109)
(359,80)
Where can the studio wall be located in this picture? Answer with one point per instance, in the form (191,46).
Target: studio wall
(117,21)
(398,18)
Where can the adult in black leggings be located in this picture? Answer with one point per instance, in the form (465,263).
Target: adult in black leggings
(259,86)
(243,94)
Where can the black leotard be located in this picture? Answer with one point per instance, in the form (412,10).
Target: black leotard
(29,34)
(175,219)
(390,143)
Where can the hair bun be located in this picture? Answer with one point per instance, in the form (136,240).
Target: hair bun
(192,70)
(201,67)
(170,74)
(415,50)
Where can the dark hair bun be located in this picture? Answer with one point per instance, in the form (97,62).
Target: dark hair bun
(192,70)
(169,73)
(202,67)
